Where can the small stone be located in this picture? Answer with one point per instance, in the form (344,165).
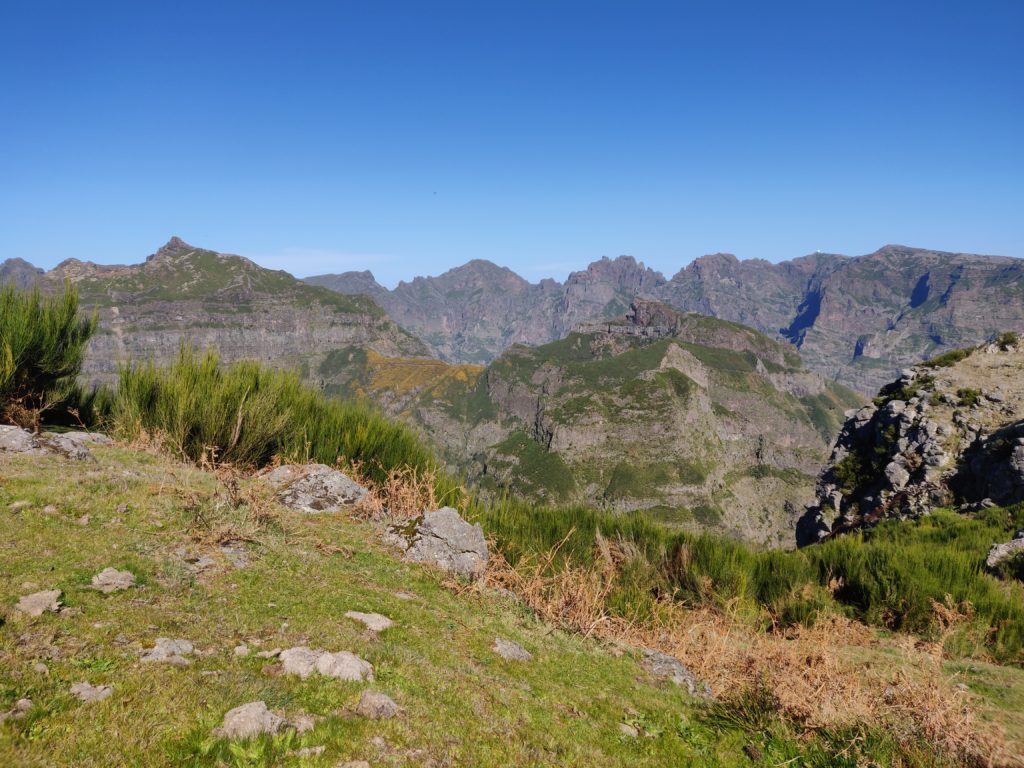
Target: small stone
(169,651)
(249,720)
(84,520)
(23,705)
(112,580)
(663,666)
(89,693)
(628,730)
(20,506)
(376,706)
(405,595)
(50,509)
(304,723)
(373,621)
(510,651)
(41,668)
(40,602)
(241,650)
(273,653)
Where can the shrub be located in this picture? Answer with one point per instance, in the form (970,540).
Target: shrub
(42,344)
(1007,340)
(947,359)
(968,396)
(246,415)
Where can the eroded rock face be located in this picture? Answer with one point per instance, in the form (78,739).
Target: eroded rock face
(940,435)
(442,538)
(315,488)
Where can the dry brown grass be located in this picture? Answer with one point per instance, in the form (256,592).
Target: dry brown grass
(836,673)
(405,494)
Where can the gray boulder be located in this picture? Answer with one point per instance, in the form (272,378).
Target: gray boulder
(376,706)
(249,720)
(510,651)
(375,622)
(39,603)
(1002,552)
(169,651)
(342,665)
(315,488)
(112,580)
(666,667)
(18,440)
(442,538)
(90,693)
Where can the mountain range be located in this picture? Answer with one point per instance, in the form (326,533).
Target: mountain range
(858,320)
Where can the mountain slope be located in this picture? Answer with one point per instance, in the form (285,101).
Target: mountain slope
(857,320)
(222,301)
(703,423)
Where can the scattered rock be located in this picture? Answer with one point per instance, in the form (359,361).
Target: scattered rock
(373,621)
(40,602)
(309,751)
(666,667)
(249,720)
(1002,552)
(112,580)
(236,554)
(241,650)
(17,440)
(628,730)
(168,651)
(444,539)
(20,709)
(342,665)
(89,693)
(405,595)
(510,651)
(273,653)
(20,506)
(376,706)
(84,520)
(315,488)
(66,444)
(304,723)
(41,668)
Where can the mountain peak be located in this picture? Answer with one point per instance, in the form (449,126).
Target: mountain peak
(172,247)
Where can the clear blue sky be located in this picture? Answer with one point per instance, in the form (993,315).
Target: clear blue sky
(408,137)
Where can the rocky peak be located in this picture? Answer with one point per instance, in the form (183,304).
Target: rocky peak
(173,247)
(20,272)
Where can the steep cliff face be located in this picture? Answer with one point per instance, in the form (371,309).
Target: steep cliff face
(947,432)
(700,422)
(19,272)
(183,293)
(857,320)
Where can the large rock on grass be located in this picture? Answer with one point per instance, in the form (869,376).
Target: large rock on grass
(442,538)
(39,603)
(315,488)
(250,720)
(342,665)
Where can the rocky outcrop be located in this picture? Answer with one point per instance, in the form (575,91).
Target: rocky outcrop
(74,445)
(1001,553)
(944,433)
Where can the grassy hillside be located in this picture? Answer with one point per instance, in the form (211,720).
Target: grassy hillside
(137,511)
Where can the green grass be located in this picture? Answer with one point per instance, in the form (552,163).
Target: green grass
(563,708)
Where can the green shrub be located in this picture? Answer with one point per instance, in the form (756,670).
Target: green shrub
(42,344)
(1008,340)
(246,414)
(947,359)
(968,396)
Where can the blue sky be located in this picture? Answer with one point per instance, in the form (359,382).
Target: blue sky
(409,137)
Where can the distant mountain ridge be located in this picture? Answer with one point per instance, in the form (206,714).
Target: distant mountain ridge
(214,300)
(856,319)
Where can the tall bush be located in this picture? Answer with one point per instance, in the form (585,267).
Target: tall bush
(43,342)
